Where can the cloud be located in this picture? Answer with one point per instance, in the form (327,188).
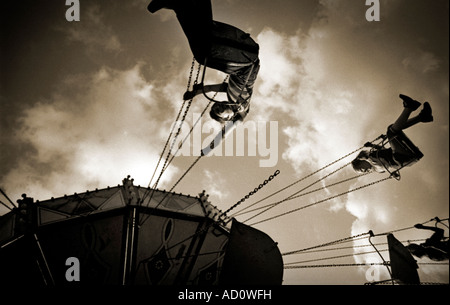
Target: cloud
(371,212)
(278,78)
(90,139)
(421,61)
(333,87)
(93,32)
(293,82)
(216,186)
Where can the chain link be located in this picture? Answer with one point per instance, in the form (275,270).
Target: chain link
(182,119)
(251,193)
(168,139)
(323,200)
(190,74)
(336,265)
(327,244)
(300,180)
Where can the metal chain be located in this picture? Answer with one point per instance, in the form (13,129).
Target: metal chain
(251,193)
(303,194)
(167,161)
(387,263)
(355,246)
(336,265)
(193,126)
(333,257)
(205,229)
(185,173)
(294,195)
(179,180)
(170,135)
(323,200)
(402,229)
(168,139)
(183,118)
(326,244)
(190,74)
(304,178)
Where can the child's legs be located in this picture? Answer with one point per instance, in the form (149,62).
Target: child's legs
(401,151)
(242,81)
(412,121)
(195,18)
(437,236)
(402,121)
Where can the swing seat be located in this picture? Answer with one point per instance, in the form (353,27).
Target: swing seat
(403,148)
(404,266)
(231,49)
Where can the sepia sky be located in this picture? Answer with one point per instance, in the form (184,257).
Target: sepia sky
(84,104)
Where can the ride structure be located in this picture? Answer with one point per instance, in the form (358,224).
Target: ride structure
(120,236)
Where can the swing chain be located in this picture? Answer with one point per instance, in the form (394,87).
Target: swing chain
(251,193)
(326,244)
(190,73)
(337,265)
(187,107)
(320,201)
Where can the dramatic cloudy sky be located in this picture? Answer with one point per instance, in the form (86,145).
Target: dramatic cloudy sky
(84,104)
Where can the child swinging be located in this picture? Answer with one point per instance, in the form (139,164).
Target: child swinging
(402,151)
(218,46)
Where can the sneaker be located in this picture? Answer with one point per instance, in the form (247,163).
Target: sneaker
(426,113)
(409,102)
(156,5)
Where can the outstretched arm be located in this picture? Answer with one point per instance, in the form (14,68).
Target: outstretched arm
(434,229)
(370,144)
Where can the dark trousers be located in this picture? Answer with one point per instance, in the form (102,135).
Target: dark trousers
(219,46)
(195,18)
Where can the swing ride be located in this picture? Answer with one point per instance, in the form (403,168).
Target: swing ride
(132,235)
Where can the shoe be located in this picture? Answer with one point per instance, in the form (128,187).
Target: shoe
(156,5)
(197,87)
(188,95)
(426,115)
(409,102)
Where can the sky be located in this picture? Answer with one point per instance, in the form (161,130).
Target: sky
(86,103)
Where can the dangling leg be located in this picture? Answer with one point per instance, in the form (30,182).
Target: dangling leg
(156,5)
(195,18)
(409,102)
(437,236)
(425,116)
(409,106)
(403,120)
